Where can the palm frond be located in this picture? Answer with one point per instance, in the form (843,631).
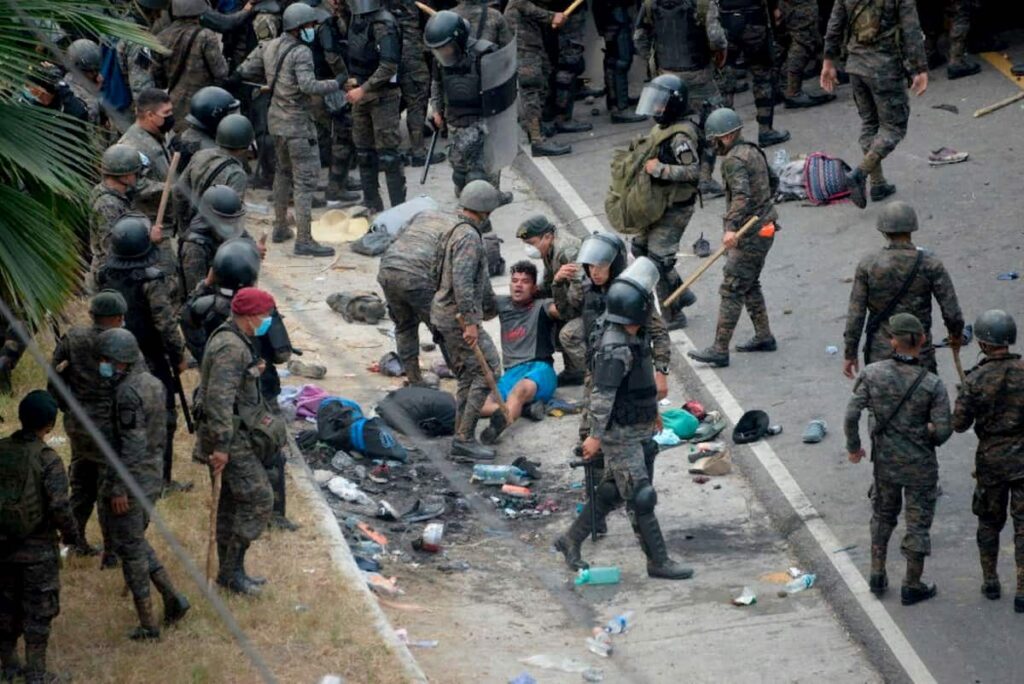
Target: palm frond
(51,147)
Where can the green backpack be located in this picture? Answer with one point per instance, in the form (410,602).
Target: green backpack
(632,204)
(21,483)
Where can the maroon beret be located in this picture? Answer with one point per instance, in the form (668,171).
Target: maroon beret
(252,301)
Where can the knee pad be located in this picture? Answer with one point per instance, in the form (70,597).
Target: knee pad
(607,493)
(390,160)
(645,499)
(666,264)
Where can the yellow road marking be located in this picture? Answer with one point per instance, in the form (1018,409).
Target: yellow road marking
(1002,64)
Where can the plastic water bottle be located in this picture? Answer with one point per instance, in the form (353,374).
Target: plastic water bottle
(499,474)
(608,575)
(802,582)
(619,623)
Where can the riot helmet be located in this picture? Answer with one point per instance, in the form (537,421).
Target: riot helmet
(722,121)
(666,98)
(447,35)
(223,210)
(298,15)
(118,344)
(235,132)
(130,246)
(209,106)
(267,7)
(85,55)
(236,264)
(897,217)
(120,160)
(996,327)
(363,6)
(604,248)
(630,298)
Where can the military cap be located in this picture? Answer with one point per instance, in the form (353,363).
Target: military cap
(905,324)
(535,226)
(108,303)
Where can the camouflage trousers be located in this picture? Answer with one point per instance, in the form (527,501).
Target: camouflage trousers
(466,155)
(415,87)
(574,344)
(277,480)
(755,43)
(624,464)
(534,74)
(886,503)
(375,122)
(128,537)
(167,262)
(701,85)
(246,499)
(334,137)
(86,474)
(661,243)
(571,63)
(959,12)
(297,176)
(409,300)
(800,18)
(884,113)
(472,387)
(29,601)
(990,505)
(741,287)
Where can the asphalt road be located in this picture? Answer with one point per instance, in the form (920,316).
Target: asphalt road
(971,217)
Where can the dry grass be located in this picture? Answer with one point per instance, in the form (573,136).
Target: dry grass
(306,624)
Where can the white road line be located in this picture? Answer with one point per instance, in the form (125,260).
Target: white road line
(823,535)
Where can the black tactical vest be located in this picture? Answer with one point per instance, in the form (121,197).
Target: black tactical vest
(138,318)
(593,308)
(682,43)
(364,54)
(462,85)
(636,402)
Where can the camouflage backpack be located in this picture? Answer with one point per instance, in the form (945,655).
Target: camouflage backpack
(21,482)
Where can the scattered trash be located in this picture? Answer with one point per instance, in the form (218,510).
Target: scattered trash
(358,307)
(494,475)
(851,547)
(831,350)
(703,449)
(620,623)
(531,468)
(342,460)
(516,491)
(386,586)
(598,575)
(815,431)
(695,408)
(746,598)
(331,678)
(371,534)
(1009,275)
(431,539)
(802,582)
(403,636)
(600,644)
(701,247)
(322,477)
(717,464)
(313,371)
(386,511)
(380,474)
(421,512)
(665,402)
(347,490)
(522,678)
(946,155)
(667,438)
(774,430)
(710,427)
(366,548)
(455,566)
(570,665)
(593,675)
(301,608)
(366,564)
(752,426)
(776,578)
(701,479)
(549,506)
(795,572)
(680,421)
(952,109)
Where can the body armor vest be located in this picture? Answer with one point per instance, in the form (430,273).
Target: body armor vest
(462,85)
(682,43)
(636,402)
(138,318)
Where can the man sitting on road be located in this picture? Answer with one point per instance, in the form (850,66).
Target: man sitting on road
(527,350)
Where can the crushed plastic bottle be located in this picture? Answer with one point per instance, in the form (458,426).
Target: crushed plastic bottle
(619,623)
(600,644)
(606,575)
(347,490)
(560,664)
(499,475)
(805,581)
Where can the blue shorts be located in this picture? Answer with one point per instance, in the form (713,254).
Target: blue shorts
(542,375)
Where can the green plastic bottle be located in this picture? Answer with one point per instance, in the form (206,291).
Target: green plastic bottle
(609,575)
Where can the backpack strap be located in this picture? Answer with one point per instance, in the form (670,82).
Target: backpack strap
(180,69)
(208,179)
(883,424)
(277,69)
(875,320)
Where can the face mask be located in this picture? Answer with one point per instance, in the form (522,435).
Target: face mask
(307,34)
(168,124)
(264,326)
(29,96)
(532,252)
(106,369)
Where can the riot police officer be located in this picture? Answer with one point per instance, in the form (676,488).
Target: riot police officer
(221,217)
(624,410)
(206,109)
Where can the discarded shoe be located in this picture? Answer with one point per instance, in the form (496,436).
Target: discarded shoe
(421,512)
(313,371)
(856,183)
(946,155)
(573,126)
(881,191)
(957,70)
(755,345)
(549,148)
(815,431)
(710,189)
(313,248)
(769,138)
(710,356)
(917,593)
(359,307)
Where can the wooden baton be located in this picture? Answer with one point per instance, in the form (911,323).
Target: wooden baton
(427,9)
(959,366)
(572,8)
(168,183)
(707,264)
(211,545)
(488,375)
(999,105)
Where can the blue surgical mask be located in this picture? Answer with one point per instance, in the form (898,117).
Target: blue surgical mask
(106,369)
(264,326)
(307,34)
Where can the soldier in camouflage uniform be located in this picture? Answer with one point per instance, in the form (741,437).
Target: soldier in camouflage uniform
(374,56)
(569,66)
(195,57)
(415,78)
(614,21)
(152,314)
(992,399)
(800,17)
(76,360)
(30,565)
(221,217)
(529,22)
(84,77)
(111,199)
(558,250)
(230,408)
(878,292)
(933,16)
(463,300)
(686,39)
(138,438)
(286,65)
(266,25)
(909,418)
(624,411)
(485,22)
(136,60)
(749,186)
(223,164)
(206,110)
(878,41)
(405,278)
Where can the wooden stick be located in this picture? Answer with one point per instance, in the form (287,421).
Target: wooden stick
(488,375)
(572,8)
(999,105)
(427,9)
(211,546)
(959,366)
(706,265)
(168,182)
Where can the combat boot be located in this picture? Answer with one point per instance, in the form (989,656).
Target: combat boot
(109,560)
(549,148)
(772,137)
(710,356)
(279,522)
(231,576)
(492,432)
(767,344)
(282,234)
(856,183)
(84,548)
(659,564)
(571,378)
(802,100)
(881,191)
(676,320)
(572,126)
(175,604)
(914,590)
(470,449)
(625,116)
(879,580)
(420,160)
(961,69)
(9,661)
(313,248)
(252,579)
(148,627)
(337,192)
(569,543)
(990,586)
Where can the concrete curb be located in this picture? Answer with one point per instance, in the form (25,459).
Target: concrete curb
(341,556)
